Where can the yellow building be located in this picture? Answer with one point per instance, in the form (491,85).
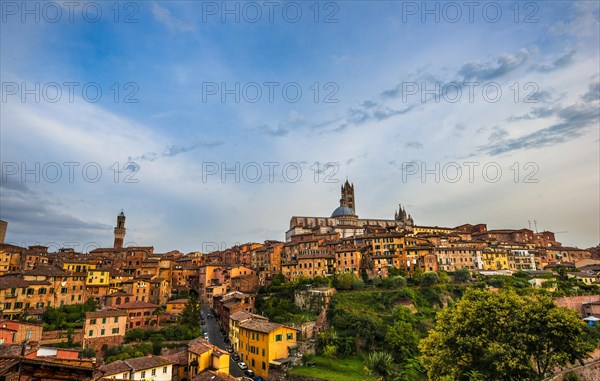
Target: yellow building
(202,356)
(10,258)
(494,259)
(234,326)
(76,266)
(262,343)
(99,277)
(176,307)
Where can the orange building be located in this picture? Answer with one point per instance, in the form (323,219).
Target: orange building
(104,327)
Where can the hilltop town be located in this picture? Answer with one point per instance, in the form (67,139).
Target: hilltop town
(132,313)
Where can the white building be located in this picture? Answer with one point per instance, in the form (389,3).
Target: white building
(148,368)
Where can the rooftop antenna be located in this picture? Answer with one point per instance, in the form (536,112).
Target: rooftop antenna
(535,224)
(529,224)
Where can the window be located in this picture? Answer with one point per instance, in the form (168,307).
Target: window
(103,320)
(124,376)
(289,336)
(154,372)
(164,369)
(263,353)
(115,331)
(143,374)
(278,337)
(91,332)
(102,332)
(92,321)
(116,319)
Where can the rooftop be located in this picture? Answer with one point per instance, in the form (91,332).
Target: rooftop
(147,362)
(260,325)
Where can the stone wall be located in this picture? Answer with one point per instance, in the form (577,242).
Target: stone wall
(590,371)
(61,336)
(98,342)
(313,300)
(587,372)
(576,302)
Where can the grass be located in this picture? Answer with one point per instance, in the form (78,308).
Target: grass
(342,369)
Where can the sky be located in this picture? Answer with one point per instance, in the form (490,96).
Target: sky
(213,123)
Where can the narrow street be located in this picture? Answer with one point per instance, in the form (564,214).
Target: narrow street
(215,337)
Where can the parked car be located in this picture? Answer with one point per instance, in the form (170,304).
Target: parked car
(235,357)
(242,365)
(258,378)
(249,373)
(229,349)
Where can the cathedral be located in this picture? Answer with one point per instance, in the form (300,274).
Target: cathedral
(345,221)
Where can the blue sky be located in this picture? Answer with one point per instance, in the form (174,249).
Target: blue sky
(377,115)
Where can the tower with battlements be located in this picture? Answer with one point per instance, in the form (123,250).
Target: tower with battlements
(120,231)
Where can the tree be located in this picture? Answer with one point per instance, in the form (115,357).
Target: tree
(157,312)
(403,339)
(329,351)
(343,281)
(462,275)
(444,278)
(87,353)
(358,285)
(502,336)
(278,279)
(429,279)
(417,274)
(394,271)
(190,315)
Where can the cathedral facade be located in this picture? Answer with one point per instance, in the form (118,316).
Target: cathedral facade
(344,220)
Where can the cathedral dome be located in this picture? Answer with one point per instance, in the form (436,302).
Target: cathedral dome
(342,211)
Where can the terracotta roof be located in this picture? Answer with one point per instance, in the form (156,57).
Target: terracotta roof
(136,304)
(12,281)
(198,346)
(180,358)
(105,313)
(147,362)
(210,375)
(9,247)
(177,301)
(120,293)
(315,256)
(39,282)
(47,270)
(260,325)
(115,367)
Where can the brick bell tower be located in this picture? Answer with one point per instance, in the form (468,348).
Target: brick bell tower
(120,231)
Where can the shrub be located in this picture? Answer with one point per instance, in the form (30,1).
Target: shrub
(429,279)
(358,284)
